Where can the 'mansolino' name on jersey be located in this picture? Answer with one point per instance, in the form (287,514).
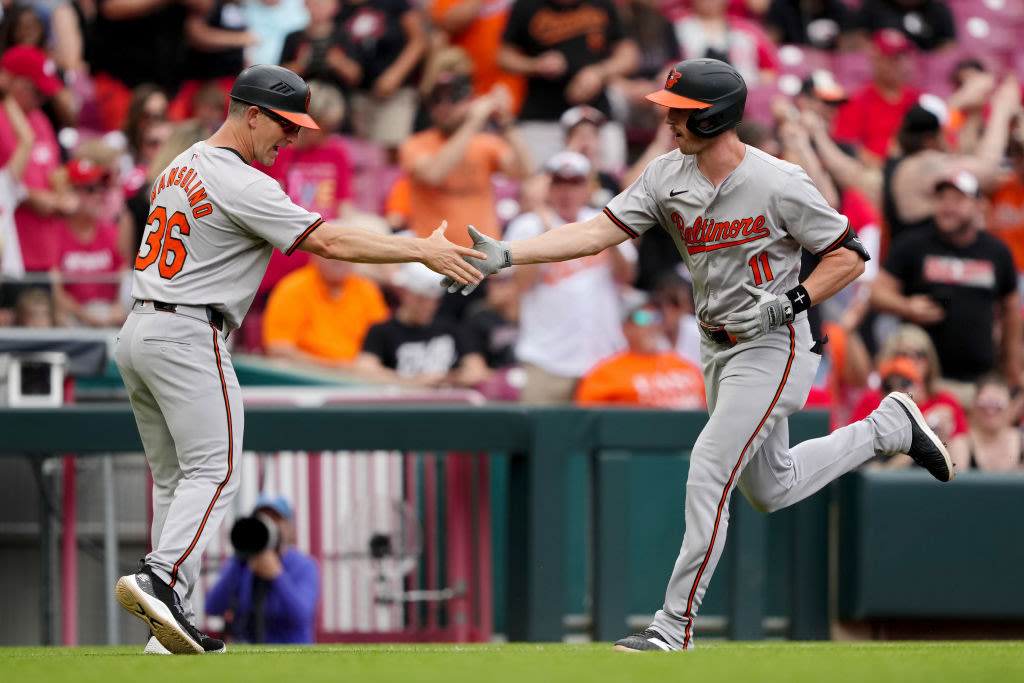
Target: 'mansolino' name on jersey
(707,234)
(190,183)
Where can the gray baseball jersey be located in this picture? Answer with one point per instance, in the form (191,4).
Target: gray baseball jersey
(748,229)
(213,224)
(206,246)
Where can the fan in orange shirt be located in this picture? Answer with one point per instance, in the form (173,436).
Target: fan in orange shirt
(643,375)
(320,313)
(1006,208)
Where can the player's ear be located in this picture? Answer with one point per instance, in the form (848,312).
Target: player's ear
(251,114)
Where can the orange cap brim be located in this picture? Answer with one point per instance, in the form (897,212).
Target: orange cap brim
(673,101)
(298,118)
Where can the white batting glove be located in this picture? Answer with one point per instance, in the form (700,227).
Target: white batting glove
(498,256)
(769,312)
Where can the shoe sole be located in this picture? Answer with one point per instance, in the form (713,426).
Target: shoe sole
(157,616)
(917,416)
(623,648)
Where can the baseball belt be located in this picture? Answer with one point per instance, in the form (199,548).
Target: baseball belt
(716,334)
(211,315)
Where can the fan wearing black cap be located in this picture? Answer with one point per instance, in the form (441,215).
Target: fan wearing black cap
(956,280)
(214,221)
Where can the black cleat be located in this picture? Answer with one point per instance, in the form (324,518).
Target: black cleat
(146,596)
(648,639)
(926,448)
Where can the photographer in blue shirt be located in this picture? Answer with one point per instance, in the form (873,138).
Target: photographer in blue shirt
(267,592)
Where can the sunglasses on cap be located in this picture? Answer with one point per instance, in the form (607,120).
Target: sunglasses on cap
(287,126)
(450,89)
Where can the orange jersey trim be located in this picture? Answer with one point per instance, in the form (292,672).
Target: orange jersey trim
(628,230)
(835,245)
(304,235)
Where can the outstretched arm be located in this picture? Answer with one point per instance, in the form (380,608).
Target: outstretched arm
(362,246)
(569,241)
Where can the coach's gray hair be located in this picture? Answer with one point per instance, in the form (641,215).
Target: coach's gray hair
(237,108)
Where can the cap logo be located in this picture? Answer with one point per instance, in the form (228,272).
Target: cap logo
(282,88)
(673,76)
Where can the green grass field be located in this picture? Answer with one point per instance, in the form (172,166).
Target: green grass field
(904,662)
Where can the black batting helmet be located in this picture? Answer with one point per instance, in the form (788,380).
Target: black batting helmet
(710,85)
(277,89)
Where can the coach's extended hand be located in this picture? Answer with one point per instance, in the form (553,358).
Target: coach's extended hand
(498,256)
(769,312)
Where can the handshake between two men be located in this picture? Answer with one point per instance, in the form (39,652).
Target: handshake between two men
(498,256)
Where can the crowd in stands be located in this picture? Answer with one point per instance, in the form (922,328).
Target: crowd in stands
(515,117)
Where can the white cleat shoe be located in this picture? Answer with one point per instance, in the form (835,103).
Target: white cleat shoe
(926,448)
(153,647)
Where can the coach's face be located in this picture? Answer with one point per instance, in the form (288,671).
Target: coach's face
(269,136)
(687,142)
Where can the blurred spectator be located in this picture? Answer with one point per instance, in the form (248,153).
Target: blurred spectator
(22,25)
(476,26)
(822,24)
(908,363)
(88,263)
(71,24)
(27,75)
(34,308)
(569,51)
(673,298)
(995,443)
(646,25)
(315,172)
(582,125)
(270,597)
(147,109)
(645,374)
(707,31)
(1005,217)
(320,314)
(905,187)
(959,283)
(12,191)
(416,347)
(135,42)
(871,117)
(491,328)
(314,53)
(216,36)
(450,164)
(387,39)
(570,312)
(929,23)
(271,21)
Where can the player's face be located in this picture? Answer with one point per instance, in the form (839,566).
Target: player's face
(271,134)
(687,142)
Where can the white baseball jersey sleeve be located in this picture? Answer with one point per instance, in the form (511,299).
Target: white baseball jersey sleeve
(213,224)
(748,229)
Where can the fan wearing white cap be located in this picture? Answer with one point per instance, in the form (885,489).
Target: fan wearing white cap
(955,279)
(416,347)
(569,312)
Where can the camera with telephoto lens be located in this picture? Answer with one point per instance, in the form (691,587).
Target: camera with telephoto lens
(250,536)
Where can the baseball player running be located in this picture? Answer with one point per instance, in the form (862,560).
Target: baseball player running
(214,221)
(739,218)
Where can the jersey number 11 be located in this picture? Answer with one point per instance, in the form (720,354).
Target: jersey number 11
(759,264)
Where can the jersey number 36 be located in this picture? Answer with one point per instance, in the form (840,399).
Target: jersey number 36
(161,246)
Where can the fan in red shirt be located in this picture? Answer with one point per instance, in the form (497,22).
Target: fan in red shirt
(874,113)
(910,364)
(86,280)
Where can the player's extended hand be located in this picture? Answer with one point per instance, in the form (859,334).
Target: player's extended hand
(455,262)
(498,256)
(769,312)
